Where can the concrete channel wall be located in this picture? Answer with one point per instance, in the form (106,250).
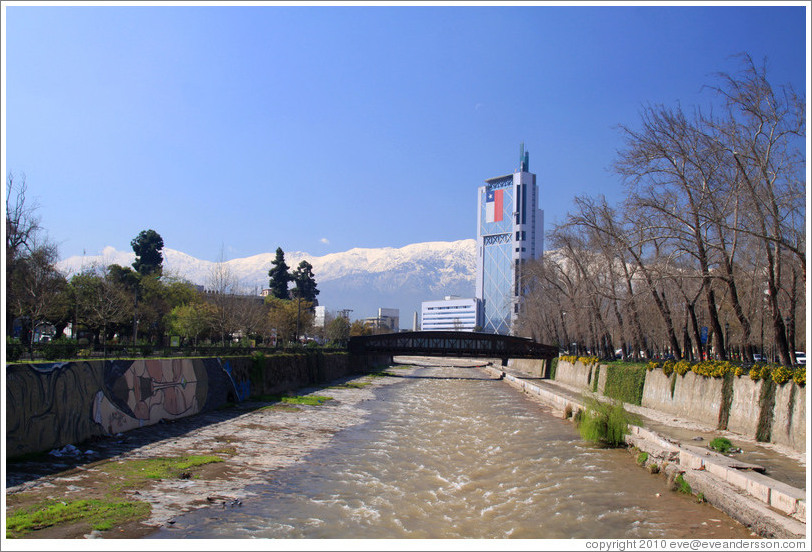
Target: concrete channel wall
(50,405)
(770,508)
(700,398)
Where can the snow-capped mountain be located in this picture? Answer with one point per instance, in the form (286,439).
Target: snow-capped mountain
(360,279)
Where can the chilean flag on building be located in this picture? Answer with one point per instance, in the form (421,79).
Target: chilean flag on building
(493,205)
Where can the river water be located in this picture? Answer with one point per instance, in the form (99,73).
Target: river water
(449,453)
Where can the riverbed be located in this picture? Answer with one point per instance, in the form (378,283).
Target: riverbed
(449,452)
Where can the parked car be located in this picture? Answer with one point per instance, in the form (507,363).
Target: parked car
(800,358)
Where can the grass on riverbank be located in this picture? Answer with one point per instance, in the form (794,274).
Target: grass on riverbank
(309,400)
(133,473)
(27,514)
(98,515)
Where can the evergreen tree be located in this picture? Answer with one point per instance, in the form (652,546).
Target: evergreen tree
(279,276)
(305,283)
(148,258)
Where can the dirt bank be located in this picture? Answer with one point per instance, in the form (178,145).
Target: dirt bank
(251,439)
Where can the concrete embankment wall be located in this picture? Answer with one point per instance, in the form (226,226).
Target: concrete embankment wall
(55,404)
(751,411)
(770,508)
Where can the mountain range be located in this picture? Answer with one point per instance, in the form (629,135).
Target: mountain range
(361,279)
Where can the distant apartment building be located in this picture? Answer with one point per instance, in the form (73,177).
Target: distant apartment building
(451,313)
(387,319)
(510,232)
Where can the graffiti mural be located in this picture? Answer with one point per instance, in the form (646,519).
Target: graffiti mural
(51,405)
(144,392)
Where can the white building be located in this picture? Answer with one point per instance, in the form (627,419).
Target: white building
(388,319)
(451,313)
(510,232)
(320,318)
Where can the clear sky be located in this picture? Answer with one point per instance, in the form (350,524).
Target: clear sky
(323,128)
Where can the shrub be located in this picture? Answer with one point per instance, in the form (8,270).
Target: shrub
(781,375)
(713,368)
(605,423)
(60,348)
(682,485)
(668,367)
(799,376)
(14,351)
(642,457)
(721,444)
(682,367)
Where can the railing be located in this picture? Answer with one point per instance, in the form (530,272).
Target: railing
(46,352)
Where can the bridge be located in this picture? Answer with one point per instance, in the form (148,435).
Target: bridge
(452,344)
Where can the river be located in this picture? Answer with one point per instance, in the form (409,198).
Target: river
(451,453)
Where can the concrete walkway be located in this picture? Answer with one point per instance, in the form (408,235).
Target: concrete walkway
(763,486)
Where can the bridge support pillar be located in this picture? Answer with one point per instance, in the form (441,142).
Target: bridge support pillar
(505,361)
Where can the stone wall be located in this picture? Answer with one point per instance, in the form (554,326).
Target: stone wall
(695,397)
(699,398)
(52,405)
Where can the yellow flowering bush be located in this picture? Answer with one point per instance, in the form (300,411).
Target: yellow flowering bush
(682,367)
(713,368)
(668,367)
(781,374)
(652,364)
(586,361)
(799,376)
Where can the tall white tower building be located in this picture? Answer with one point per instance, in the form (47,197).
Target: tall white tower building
(510,232)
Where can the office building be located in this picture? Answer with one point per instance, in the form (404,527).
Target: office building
(387,319)
(451,313)
(510,232)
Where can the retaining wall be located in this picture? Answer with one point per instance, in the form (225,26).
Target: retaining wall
(699,398)
(52,405)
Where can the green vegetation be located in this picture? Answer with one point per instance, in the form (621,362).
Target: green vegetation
(352,385)
(721,444)
(624,382)
(100,515)
(309,400)
(642,458)
(766,403)
(553,367)
(605,423)
(132,473)
(595,378)
(727,401)
(682,485)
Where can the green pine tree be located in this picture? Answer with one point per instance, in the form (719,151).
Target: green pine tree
(279,276)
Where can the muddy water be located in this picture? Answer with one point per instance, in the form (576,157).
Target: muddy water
(451,453)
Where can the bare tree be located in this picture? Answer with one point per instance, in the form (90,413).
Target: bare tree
(222,291)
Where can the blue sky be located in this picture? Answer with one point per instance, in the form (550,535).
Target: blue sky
(319,129)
